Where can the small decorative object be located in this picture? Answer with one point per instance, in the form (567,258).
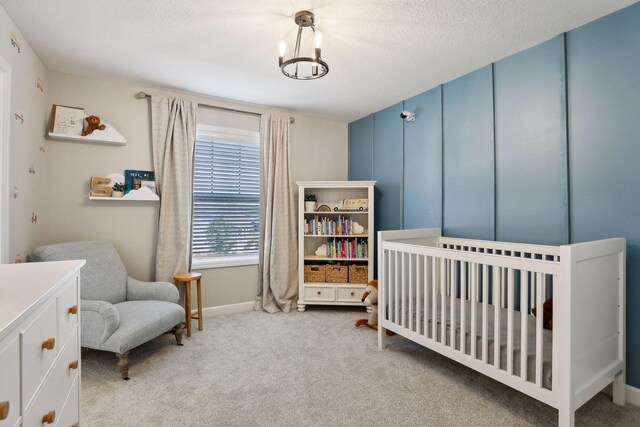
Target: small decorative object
(66,120)
(357,228)
(100,186)
(34,218)
(118,190)
(15,42)
(323,208)
(370,299)
(18,259)
(19,117)
(322,250)
(32,170)
(40,84)
(134,178)
(355,204)
(336,206)
(93,123)
(42,148)
(310,202)
(151,185)
(15,192)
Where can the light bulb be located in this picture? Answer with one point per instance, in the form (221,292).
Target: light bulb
(283,48)
(318,40)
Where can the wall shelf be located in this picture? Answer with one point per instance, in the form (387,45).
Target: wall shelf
(109,136)
(142,195)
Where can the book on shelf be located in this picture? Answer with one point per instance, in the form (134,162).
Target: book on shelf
(350,248)
(326,226)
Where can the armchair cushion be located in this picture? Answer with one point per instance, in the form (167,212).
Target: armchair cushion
(157,291)
(141,321)
(99,320)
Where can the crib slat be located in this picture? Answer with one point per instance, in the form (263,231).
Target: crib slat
(539,327)
(474,299)
(410,301)
(485,313)
(419,280)
(510,310)
(403,284)
(443,304)
(434,299)
(497,287)
(425,285)
(452,292)
(463,302)
(524,323)
(396,291)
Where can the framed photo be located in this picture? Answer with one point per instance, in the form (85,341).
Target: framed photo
(149,184)
(133,179)
(67,120)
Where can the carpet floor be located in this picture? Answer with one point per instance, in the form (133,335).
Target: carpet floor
(307,369)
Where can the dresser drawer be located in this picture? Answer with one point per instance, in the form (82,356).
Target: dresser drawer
(350,294)
(70,415)
(67,309)
(55,389)
(317,293)
(9,382)
(39,347)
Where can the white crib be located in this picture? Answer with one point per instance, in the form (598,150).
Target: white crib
(471,300)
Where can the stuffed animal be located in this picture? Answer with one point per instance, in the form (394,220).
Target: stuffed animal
(547,314)
(370,299)
(93,123)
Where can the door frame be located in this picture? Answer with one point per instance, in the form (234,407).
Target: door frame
(5,137)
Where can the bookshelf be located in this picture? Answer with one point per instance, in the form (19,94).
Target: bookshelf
(347,244)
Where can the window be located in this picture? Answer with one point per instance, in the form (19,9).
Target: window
(226,197)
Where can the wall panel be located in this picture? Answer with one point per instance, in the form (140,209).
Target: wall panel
(531,150)
(361,149)
(468,156)
(423,161)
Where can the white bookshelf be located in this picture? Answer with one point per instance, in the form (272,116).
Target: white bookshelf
(332,193)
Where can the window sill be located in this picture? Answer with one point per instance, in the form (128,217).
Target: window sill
(223,261)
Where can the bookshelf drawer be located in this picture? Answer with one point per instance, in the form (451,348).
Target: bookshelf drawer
(317,293)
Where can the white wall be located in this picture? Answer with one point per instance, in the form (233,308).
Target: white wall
(319,152)
(25,139)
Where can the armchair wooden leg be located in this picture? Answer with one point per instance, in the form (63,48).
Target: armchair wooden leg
(177,331)
(123,365)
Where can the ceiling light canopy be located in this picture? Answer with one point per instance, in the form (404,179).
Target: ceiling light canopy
(303,67)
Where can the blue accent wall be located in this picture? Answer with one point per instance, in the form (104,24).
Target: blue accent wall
(604,135)
(361,149)
(540,147)
(532,203)
(468,158)
(423,161)
(387,167)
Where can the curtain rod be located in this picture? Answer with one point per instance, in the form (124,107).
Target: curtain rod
(143,95)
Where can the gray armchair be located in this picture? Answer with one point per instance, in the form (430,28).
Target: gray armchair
(118,312)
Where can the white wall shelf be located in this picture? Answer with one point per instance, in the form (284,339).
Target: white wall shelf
(108,136)
(331,193)
(143,194)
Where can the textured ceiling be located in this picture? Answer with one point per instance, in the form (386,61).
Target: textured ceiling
(379,51)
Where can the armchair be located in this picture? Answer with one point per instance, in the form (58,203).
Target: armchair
(118,312)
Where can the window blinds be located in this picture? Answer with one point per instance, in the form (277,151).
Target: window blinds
(226,196)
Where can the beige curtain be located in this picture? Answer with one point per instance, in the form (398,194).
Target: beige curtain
(173,126)
(278,233)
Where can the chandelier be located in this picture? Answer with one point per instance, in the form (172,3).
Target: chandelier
(303,67)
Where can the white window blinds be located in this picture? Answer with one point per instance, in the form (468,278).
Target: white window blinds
(226,196)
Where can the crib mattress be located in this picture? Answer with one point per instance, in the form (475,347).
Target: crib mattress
(531,336)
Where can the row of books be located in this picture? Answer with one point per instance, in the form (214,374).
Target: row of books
(341,248)
(329,226)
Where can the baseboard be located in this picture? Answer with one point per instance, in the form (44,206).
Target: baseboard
(632,394)
(222,310)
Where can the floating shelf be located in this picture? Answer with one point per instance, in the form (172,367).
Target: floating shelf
(142,195)
(109,136)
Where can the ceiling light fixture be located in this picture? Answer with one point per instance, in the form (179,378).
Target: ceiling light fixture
(303,67)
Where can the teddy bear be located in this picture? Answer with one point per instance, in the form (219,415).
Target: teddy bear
(370,299)
(547,314)
(93,123)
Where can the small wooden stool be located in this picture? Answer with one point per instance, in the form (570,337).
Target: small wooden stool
(187,278)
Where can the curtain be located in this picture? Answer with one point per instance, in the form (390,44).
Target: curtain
(173,127)
(278,287)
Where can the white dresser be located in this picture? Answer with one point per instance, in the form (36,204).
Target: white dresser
(40,344)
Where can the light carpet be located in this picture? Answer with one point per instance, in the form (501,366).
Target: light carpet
(307,369)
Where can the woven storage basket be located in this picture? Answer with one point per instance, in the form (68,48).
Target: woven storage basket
(337,273)
(314,273)
(358,273)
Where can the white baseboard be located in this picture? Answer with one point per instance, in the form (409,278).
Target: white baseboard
(222,310)
(633,395)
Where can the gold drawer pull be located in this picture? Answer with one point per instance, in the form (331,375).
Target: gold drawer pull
(73,365)
(319,293)
(49,344)
(73,309)
(4,410)
(75,425)
(49,417)
(353,293)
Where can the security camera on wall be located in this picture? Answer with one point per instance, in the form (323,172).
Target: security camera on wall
(408,116)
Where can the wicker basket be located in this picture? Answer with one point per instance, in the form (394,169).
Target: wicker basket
(337,273)
(314,273)
(358,273)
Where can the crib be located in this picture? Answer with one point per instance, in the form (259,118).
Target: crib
(473,300)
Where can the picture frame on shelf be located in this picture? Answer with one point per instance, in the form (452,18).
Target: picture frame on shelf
(151,185)
(133,179)
(66,120)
